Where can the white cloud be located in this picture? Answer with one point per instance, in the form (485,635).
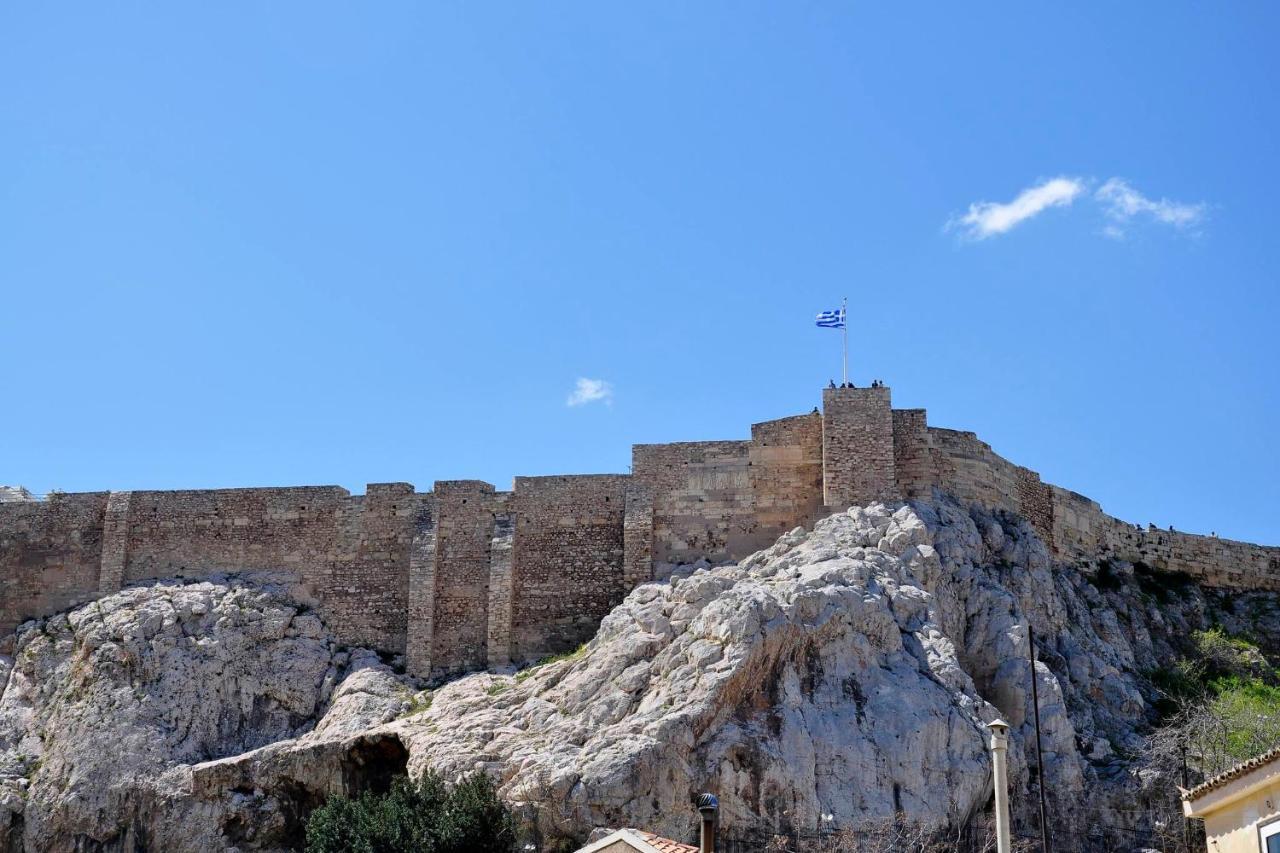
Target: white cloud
(590,391)
(1121,203)
(988,218)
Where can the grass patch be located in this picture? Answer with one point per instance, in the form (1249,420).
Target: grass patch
(419,703)
(550,659)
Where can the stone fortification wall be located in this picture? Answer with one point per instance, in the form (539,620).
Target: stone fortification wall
(1071,524)
(637,536)
(962,464)
(917,463)
(857,446)
(722,500)
(465,514)
(1080,527)
(702,503)
(349,554)
(465,576)
(785,461)
(50,555)
(568,560)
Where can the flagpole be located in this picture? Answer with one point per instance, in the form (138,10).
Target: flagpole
(844,336)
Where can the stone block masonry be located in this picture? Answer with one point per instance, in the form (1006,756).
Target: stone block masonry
(857,447)
(567,563)
(465,577)
(50,555)
(466,511)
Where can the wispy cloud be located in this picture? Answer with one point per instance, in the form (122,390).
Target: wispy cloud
(590,391)
(1122,203)
(1119,201)
(988,218)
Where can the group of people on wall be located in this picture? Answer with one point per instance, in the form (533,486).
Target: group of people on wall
(875,383)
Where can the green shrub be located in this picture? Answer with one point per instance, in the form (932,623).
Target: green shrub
(1220,704)
(1224,655)
(550,659)
(1248,711)
(426,817)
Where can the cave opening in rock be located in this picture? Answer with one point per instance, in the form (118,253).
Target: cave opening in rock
(369,765)
(372,763)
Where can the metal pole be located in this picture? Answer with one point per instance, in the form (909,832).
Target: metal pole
(1000,778)
(1186,821)
(844,336)
(1035,704)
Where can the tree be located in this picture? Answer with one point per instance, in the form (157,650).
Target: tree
(423,817)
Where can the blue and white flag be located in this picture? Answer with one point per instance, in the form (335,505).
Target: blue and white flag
(831,319)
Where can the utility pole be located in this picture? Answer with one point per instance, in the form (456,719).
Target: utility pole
(1186,785)
(1035,704)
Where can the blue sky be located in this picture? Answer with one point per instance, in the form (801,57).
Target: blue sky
(274,244)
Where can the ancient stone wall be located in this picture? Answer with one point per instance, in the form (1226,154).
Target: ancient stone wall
(973,472)
(722,500)
(785,461)
(857,446)
(702,503)
(50,555)
(568,560)
(465,577)
(367,598)
(421,614)
(465,515)
(917,469)
(959,463)
(637,536)
(502,592)
(115,542)
(348,554)
(194,533)
(1209,559)
(1081,528)
(1035,501)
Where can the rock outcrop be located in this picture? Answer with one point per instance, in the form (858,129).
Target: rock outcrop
(103,701)
(846,671)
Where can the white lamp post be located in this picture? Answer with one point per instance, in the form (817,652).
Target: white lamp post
(1000,770)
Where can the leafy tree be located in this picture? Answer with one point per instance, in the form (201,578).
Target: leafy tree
(424,817)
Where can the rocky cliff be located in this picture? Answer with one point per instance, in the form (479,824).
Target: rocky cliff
(846,671)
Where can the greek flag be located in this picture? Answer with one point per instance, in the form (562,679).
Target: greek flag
(831,319)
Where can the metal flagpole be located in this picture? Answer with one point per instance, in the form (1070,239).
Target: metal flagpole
(844,335)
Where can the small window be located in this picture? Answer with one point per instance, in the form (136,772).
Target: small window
(1269,837)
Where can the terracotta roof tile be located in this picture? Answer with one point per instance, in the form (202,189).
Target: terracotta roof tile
(1215,782)
(666,845)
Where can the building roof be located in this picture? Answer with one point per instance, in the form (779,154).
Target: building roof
(1227,776)
(641,841)
(666,845)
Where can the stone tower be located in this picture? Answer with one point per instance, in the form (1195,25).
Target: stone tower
(857,447)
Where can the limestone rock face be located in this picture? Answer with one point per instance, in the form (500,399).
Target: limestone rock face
(103,700)
(848,671)
(814,677)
